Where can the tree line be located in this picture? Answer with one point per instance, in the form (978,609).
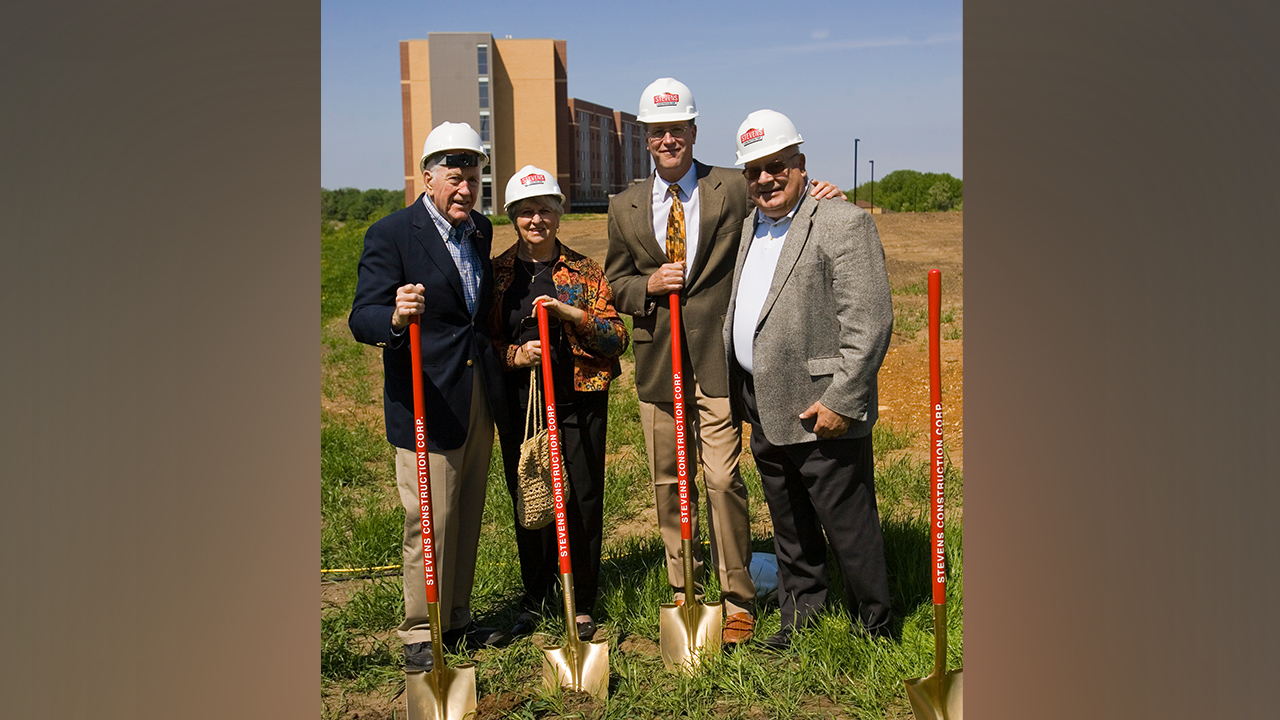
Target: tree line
(359,206)
(900,191)
(913,191)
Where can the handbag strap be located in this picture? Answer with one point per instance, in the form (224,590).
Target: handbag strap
(533,414)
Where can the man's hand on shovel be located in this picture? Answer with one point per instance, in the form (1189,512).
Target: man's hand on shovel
(668,279)
(410,303)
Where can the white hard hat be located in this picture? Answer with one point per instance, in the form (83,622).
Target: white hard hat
(765,132)
(530,181)
(666,100)
(452,136)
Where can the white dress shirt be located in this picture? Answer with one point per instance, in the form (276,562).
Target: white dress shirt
(662,210)
(755,280)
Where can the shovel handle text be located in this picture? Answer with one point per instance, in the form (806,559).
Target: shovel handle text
(424,466)
(677,394)
(937,455)
(553,440)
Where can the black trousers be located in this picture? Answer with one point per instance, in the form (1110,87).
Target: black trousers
(581,417)
(824,485)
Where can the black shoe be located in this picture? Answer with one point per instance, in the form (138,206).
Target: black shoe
(586,630)
(884,632)
(474,637)
(777,642)
(417,657)
(526,623)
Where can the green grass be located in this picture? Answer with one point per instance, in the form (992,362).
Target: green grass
(885,439)
(340,249)
(831,672)
(951,329)
(918,287)
(907,321)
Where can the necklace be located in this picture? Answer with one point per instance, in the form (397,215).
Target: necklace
(529,266)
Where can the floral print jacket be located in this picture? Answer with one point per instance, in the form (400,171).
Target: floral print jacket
(597,342)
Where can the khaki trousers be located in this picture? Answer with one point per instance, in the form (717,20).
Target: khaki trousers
(458,481)
(714,446)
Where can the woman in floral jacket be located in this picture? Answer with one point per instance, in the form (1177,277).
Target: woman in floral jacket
(587,337)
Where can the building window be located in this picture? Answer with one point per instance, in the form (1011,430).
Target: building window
(628,152)
(484,92)
(484,128)
(482,59)
(606,162)
(584,153)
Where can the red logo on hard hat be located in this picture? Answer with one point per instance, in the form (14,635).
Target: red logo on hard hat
(666,99)
(750,136)
(533,178)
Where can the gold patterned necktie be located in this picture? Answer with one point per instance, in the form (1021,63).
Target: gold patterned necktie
(675,226)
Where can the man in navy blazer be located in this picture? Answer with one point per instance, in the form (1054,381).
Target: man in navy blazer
(432,259)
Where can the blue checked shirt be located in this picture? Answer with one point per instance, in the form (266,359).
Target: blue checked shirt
(458,240)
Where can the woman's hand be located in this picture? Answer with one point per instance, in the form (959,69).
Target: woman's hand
(528,354)
(565,312)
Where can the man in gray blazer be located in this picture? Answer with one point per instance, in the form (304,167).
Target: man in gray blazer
(710,203)
(808,325)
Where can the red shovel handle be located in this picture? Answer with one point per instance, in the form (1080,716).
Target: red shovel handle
(935,424)
(424,466)
(677,392)
(553,437)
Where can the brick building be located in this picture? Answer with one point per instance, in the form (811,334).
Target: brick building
(514,92)
(608,152)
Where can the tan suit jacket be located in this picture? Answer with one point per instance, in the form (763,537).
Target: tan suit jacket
(635,254)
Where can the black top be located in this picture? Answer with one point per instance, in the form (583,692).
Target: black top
(532,280)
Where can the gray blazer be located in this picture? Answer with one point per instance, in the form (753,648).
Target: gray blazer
(825,325)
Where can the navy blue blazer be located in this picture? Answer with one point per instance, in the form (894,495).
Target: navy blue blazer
(405,247)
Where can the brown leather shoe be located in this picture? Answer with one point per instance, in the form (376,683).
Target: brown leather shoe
(738,628)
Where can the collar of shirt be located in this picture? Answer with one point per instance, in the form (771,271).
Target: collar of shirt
(754,281)
(661,203)
(688,184)
(464,229)
(463,252)
(775,228)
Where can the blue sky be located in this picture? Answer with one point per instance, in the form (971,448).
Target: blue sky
(888,73)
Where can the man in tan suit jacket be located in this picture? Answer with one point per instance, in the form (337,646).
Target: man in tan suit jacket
(713,202)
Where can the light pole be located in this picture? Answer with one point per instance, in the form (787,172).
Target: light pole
(855,171)
(873,184)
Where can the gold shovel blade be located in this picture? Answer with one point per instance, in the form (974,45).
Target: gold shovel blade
(937,697)
(442,694)
(680,648)
(581,666)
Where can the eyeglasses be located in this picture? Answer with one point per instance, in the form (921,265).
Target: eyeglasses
(657,133)
(776,167)
(461,160)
